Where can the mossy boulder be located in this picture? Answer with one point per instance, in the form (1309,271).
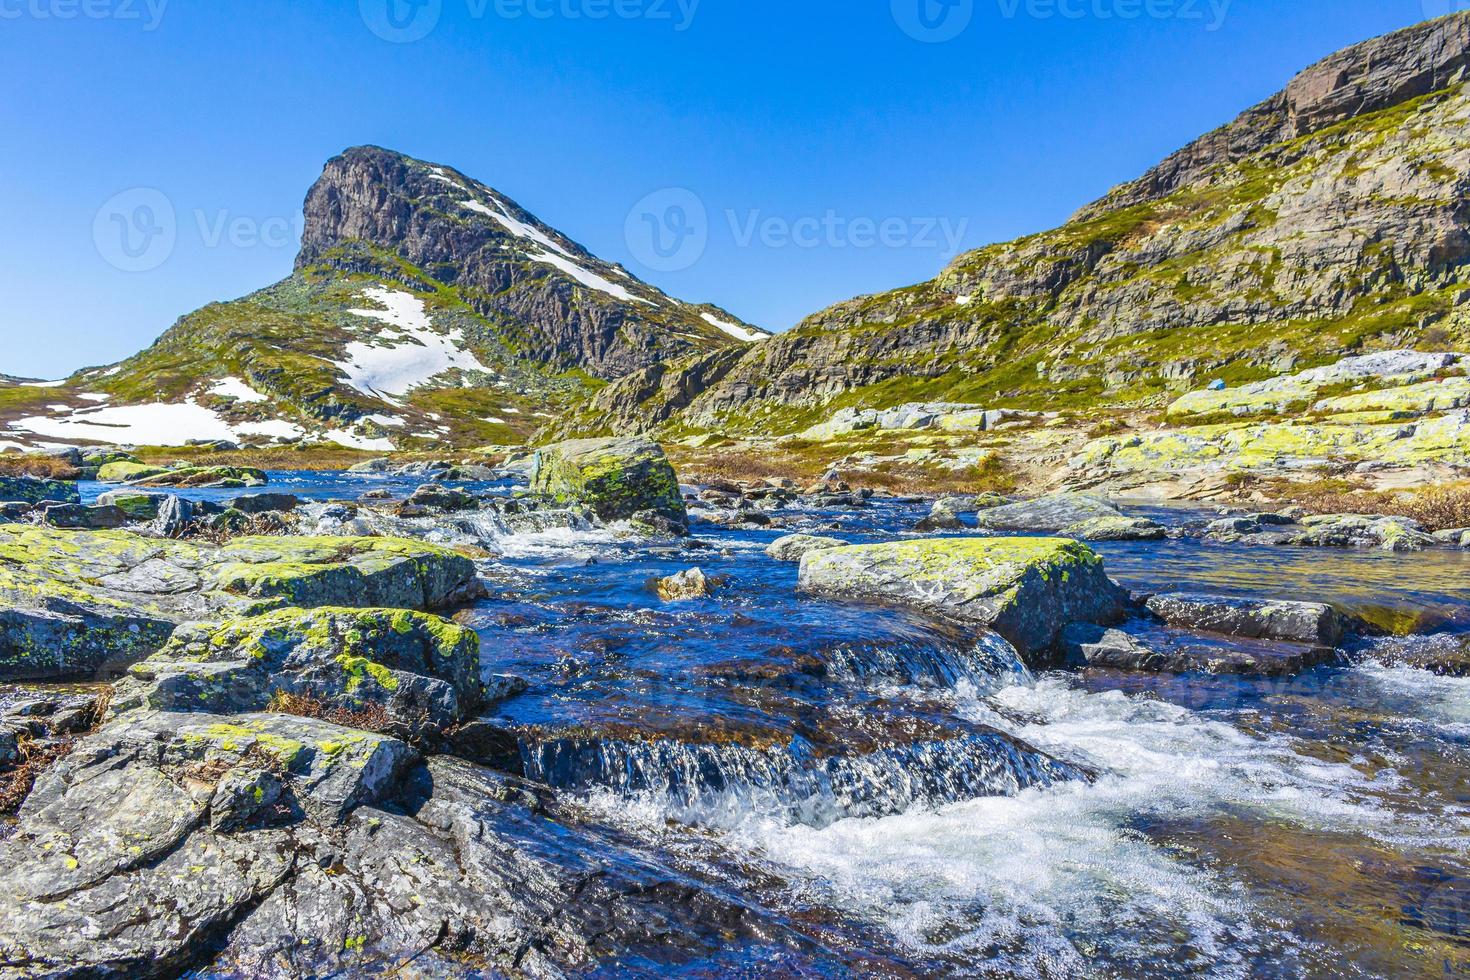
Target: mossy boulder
(83,603)
(128,471)
(139,505)
(615,479)
(29,490)
(1026,589)
(423,671)
(206,476)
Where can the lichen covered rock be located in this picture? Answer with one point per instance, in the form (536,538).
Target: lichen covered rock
(1050,513)
(29,490)
(422,671)
(793,546)
(1026,589)
(80,603)
(1116,529)
(615,479)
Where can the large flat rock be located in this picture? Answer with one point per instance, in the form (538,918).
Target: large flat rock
(1049,514)
(1026,589)
(76,603)
(1258,619)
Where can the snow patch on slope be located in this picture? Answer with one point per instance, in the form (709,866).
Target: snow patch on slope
(414,353)
(236,389)
(352,440)
(553,253)
(148,425)
(734,329)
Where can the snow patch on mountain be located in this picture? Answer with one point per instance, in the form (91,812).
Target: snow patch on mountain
(734,329)
(554,254)
(414,353)
(351,440)
(235,388)
(149,425)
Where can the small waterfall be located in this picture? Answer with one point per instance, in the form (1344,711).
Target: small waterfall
(985,662)
(723,784)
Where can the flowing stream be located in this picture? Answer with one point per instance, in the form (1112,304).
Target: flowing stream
(916,795)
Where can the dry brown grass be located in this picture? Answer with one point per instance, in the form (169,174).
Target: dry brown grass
(265,524)
(35,758)
(1438,508)
(993,474)
(807,462)
(42,467)
(371,718)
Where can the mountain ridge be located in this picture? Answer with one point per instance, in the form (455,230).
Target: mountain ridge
(423,307)
(1329,219)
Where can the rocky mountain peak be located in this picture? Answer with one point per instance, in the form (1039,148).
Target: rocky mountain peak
(373,209)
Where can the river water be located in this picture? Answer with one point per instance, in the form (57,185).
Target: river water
(919,804)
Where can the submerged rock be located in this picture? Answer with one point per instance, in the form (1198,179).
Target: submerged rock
(613,478)
(1048,514)
(420,670)
(793,546)
(1026,589)
(76,603)
(1298,622)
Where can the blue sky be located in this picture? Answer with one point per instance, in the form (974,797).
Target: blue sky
(800,127)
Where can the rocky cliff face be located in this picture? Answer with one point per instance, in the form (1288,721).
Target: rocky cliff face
(1329,220)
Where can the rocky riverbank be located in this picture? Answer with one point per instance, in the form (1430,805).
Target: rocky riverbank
(288,762)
